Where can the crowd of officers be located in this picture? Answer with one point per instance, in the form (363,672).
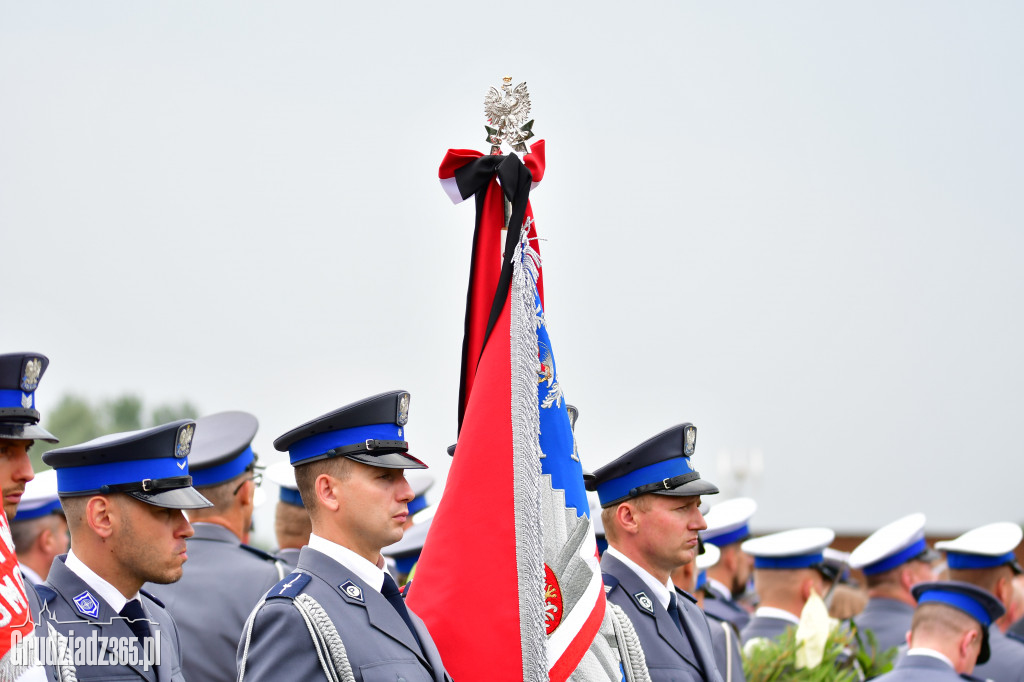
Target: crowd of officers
(697,587)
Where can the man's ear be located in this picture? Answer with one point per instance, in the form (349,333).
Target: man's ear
(730,558)
(45,541)
(968,642)
(626,516)
(327,493)
(100,515)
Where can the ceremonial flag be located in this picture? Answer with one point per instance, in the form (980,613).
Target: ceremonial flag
(509,582)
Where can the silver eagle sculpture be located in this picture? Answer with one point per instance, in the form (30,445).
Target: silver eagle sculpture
(507,111)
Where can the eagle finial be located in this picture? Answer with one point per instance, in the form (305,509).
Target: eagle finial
(507,111)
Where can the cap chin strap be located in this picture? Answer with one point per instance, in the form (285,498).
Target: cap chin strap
(666,484)
(372,446)
(146,485)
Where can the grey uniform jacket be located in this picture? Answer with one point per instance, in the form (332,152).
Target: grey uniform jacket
(221,583)
(726,609)
(921,669)
(766,627)
(889,619)
(1006,663)
(379,644)
(671,656)
(59,609)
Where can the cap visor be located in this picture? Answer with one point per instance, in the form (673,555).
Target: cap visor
(26,432)
(179,498)
(691,489)
(390,460)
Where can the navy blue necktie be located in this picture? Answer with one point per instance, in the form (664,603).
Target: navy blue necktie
(136,618)
(391,592)
(673,611)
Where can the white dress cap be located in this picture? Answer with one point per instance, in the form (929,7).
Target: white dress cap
(728,521)
(986,547)
(891,545)
(799,548)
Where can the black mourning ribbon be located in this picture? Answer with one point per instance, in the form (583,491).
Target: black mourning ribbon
(391,592)
(473,180)
(136,618)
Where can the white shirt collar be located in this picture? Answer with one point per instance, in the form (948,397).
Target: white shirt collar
(369,573)
(662,592)
(921,651)
(30,575)
(104,590)
(772,612)
(719,588)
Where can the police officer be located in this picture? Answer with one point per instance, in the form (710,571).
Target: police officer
(948,634)
(225,577)
(788,568)
(340,614)
(984,557)
(291,521)
(20,374)
(728,526)
(893,559)
(650,498)
(122,495)
(40,530)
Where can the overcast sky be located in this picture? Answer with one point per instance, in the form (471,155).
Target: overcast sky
(796,225)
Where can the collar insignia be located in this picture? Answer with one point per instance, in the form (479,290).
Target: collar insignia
(645,602)
(351,590)
(87,604)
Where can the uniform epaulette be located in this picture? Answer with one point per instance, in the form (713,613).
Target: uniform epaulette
(152,598)
(290,587)
(258,552)
(684,593)
(610,582)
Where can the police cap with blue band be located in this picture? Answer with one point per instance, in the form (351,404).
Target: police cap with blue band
(977,603)
(19,378)
(371,431)
(151,465)
(791,549)
(892,546)
(659,465)
(729,521)
(989,546)
(222,447)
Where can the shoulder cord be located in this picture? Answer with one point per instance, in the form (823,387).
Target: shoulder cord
(325,638)
(634,663)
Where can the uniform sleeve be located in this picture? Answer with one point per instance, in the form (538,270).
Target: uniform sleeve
(277,646)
